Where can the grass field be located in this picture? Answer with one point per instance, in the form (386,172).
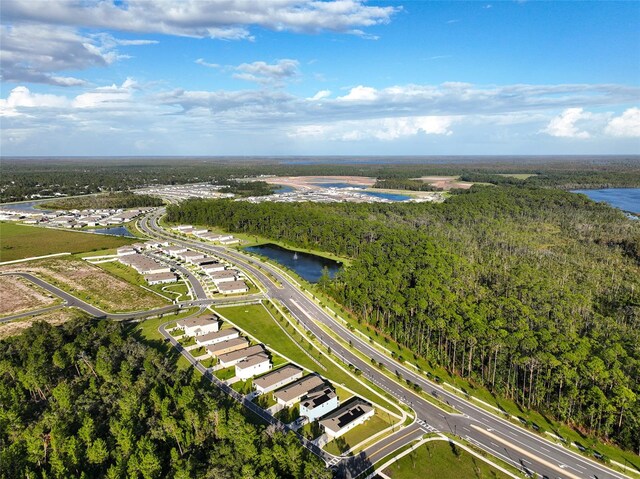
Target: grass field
(442,460)
(518,176)
(256,320)
(20,241)
(21,295)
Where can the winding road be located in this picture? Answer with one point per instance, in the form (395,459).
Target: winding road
(523,449)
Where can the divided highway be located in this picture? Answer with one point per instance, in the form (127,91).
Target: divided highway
(517,446)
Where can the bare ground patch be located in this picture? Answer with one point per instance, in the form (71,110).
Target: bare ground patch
(91,284)
(18,295)
(54,318)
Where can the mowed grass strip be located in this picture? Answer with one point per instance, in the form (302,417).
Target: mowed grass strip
(442,460)
(256,320)
(20,241)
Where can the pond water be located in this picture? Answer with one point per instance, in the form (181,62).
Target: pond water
(338,185)
(626,199)
(308,266)
(388,196)
(27,206)
(115,231)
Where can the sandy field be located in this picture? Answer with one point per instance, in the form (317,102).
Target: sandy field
(91,284)
(54,318)
(445,182)
(18,295)
(307,182)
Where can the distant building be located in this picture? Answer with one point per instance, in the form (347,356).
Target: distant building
(350,415)
(277,378)
(191,255)
(174,250)
(319,402)
(204,261)
(217,337)
(253,365)
(200,325)
(292,393)
(125,250)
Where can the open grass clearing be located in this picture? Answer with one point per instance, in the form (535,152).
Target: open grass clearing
(256,320)
(225,373)
(21,241)
(518,176)
(443,460)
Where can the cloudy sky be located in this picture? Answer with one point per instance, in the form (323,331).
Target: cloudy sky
(307,77)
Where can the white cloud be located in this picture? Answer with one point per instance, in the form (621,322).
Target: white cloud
(564,125)
(625,125)
(320,95)
(225,19)
(360,93)
(262,72)
(385,129)
(107,97)
(20,98)
(201,61)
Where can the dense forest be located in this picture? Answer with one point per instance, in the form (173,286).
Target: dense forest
(248,188)
(88,400)
(24,177)
(123,199)
(404,184)
(533,292)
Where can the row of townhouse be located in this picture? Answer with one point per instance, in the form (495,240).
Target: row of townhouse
(205,234)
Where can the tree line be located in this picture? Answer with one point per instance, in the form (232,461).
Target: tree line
(123,199)
(534,293)
(87,400)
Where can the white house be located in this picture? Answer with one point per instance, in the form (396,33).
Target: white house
(125,250)
(200,325)
(217,337)
(174,250)
(319,402)
(222,276)
(199,231)
(277,378)
(212,268)
(253,365)
(160,278)
(189,255)
(350,415)
(224,347)
(292,393)
(232,287)
(182,227)
(231,359)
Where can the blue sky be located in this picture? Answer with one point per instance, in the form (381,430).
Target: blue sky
(313,77)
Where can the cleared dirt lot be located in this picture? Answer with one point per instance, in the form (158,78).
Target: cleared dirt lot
(445,182)
(313,182)
(54,318)
(91,284)
(18,295)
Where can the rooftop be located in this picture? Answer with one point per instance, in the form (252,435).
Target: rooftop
(276,376)
(346,414)
(299,388)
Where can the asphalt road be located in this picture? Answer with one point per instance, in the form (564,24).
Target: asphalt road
(515,445)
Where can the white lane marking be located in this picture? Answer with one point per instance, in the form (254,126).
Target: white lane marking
(526,453)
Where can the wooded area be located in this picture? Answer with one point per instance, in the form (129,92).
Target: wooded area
(123,199)
(534,293)
(88,400)
(23,177)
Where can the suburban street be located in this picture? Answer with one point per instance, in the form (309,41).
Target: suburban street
(515,445)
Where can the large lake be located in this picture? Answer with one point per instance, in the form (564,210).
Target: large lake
(627,199)
(308,266)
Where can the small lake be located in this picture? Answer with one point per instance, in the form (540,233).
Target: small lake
(115,231)
(308,266)
(626,199)
(388,196)
(338,185)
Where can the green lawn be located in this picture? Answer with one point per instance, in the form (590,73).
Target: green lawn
(256,321)
(358,434)
(226,373)
(20,241)
(442,460)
